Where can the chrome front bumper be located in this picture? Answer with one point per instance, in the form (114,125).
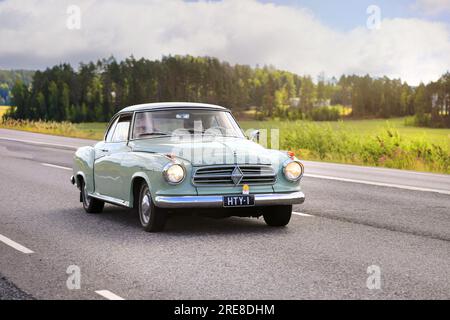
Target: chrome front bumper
(271,199)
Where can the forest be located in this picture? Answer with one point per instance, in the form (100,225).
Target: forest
(93,92)
(7,80)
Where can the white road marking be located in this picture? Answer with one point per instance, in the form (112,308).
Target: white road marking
(380,184)
(302,214)
(109,295)
(55,166)
(329,165)
(15,245)
(48,144)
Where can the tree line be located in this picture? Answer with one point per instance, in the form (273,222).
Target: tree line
(97,90)
(384,98)
(7,80)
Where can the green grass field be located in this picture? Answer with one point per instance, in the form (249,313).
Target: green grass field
(367,128)
(95,130)
(385,143)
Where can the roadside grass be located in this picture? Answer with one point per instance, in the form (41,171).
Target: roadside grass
(384,143)
(3,110)
(66,129)
(363,128)
(365,142)
(93,130)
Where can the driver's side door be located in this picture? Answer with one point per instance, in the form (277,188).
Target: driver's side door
(108,175)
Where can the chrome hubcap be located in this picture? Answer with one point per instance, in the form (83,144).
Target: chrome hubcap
(86,198)
(145,208)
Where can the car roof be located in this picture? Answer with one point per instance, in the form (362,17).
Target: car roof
(168,105)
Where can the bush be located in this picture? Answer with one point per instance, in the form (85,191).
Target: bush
(419,120)
(324,114)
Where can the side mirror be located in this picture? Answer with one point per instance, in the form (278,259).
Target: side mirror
(254,136)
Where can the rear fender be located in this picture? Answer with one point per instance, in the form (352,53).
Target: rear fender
(83,167)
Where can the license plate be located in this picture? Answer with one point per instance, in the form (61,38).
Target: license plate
(239,201)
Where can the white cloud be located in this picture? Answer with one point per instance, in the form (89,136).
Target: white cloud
(433,7)
(34,35)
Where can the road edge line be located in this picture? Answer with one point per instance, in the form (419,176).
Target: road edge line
(379,184)
(45,144)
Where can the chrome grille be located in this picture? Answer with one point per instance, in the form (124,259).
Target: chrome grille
(223,175)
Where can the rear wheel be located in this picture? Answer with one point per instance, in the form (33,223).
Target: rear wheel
(278,216)
(90,205)
(153,219)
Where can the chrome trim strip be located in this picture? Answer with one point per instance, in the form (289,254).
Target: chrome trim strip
(110,199)
(216,201)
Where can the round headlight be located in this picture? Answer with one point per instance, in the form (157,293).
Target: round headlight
(174,173)
(293,171)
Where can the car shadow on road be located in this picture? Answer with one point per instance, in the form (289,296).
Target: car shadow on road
(125,220)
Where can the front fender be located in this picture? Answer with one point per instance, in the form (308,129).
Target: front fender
(283,185)
(149,166)
(137,175)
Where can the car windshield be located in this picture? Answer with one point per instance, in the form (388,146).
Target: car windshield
(180,122)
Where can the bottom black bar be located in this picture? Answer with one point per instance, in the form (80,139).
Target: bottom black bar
(215,309)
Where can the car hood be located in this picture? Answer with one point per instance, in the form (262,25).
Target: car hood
(208,150)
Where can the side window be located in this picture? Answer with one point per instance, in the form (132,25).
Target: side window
(122,129)
(110,133)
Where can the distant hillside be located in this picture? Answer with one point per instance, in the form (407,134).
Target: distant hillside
(7,80)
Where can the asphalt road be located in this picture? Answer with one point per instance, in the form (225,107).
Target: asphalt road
(353,218)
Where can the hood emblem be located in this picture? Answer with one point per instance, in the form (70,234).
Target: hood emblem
(237,175)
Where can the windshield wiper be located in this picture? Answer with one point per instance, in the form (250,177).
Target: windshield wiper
(193,131)
(155,133)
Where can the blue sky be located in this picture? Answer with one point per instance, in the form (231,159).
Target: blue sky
(348,14)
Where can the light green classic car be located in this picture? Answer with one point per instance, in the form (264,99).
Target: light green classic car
(164,158)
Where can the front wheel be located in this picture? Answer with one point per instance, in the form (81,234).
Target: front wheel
(153,219)
(277,216)
(90,205)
